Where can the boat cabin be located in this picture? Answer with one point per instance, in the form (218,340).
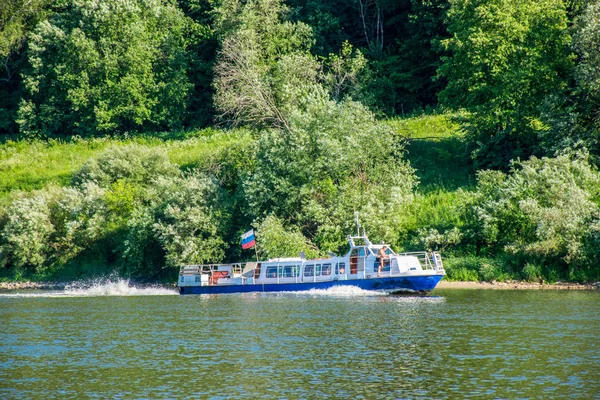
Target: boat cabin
(361,262)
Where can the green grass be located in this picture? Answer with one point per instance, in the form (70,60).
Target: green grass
(27,165)
(437,150)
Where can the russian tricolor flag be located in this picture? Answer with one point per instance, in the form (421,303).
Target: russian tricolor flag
(248,239)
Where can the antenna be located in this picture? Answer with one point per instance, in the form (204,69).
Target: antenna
(357,224)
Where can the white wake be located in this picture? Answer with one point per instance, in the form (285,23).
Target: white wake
(118,287)
(341,291)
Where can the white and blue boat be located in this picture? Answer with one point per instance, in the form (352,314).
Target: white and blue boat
(361,267)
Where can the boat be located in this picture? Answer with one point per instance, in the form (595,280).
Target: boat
(401,272)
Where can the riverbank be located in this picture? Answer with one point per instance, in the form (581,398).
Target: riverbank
(512,285)
(518,285)
(26,285)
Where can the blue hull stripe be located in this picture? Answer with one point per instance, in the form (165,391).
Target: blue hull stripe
(391,284)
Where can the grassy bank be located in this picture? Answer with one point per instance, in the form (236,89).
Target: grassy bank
(435,149)
(27,165)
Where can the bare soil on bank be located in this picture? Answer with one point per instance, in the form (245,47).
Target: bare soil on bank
(518,285)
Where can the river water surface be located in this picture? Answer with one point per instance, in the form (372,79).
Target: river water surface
(115,341)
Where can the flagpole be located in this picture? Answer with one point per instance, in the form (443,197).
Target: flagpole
(256,251)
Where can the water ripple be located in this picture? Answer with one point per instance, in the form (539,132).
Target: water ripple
(456,344)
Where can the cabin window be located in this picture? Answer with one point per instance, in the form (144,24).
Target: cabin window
(291,271)
(340,268)
(309,270)
(358,252)
(271,272)
(326,269)
(257,271)
(386,265)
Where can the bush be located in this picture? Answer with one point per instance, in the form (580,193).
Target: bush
(139,165)
(543,213)
(431,239)
(129,206)
(274,240)
(183,220)
(45,231)
(474,268)
(532,273)
(25,237)
(462,274)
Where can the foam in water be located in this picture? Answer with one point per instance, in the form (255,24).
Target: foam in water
(354,291)
(118,287)
(341,291)
(115,288)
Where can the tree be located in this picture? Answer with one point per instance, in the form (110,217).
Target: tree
(18,18)
(106,67)
(586,41)
(248,73)
(574,117)
(344,71)
(134,164)
(506,58)
(201,52)
(334,160)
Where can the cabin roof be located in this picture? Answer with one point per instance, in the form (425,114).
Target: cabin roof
(284,259)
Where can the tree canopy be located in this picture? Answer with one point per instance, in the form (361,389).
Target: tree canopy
(103,67)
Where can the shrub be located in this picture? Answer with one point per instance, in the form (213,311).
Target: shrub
(543,212)
(431,239)
(462,274)
(25,237)
(532,273)
(275,240)
(133,163)
(183,220)
(474,268)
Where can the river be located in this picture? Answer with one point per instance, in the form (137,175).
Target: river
(115,341)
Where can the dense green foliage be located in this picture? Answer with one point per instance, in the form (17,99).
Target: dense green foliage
(105,67)
(544,214)
(506,58)
(103,165)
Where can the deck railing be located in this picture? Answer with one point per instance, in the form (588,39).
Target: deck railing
(236,268)
(429,261)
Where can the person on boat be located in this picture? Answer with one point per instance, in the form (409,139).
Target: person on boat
(382,255)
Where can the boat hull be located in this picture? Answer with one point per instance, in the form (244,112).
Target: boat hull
(421,284)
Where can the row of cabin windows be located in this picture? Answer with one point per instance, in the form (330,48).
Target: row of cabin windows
(317,270)
(293,271)
(287,271)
